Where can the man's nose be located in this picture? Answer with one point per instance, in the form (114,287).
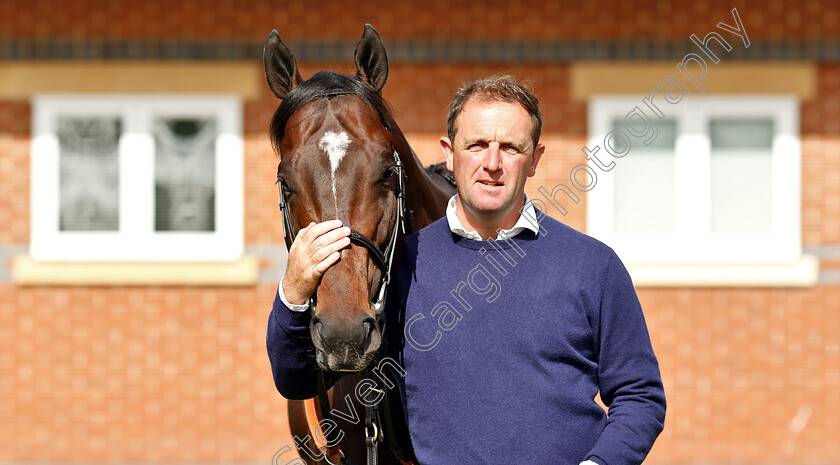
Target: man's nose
(493,157)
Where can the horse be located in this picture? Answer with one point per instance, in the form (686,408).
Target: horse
(343,156)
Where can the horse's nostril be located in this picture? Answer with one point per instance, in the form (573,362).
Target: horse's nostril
(369,324)
(317,330)
(316,321)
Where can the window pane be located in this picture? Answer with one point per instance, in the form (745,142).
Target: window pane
(741,175)
(88,173)
(644,182)
(185,172)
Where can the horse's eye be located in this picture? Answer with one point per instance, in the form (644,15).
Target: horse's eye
(389,171)
(285,186)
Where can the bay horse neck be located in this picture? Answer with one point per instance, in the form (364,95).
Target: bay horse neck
(426,201)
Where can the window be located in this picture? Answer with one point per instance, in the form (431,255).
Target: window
(137,178)
(717,182)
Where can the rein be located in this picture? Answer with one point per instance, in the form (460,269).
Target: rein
(384,260)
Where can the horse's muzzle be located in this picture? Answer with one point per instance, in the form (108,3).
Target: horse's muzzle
(343,345)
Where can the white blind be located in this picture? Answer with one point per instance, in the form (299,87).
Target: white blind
(741,175)
(185,171)
(644,183)
(88,173)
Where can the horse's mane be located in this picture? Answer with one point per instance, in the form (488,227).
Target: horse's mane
(324,84)
(439,169)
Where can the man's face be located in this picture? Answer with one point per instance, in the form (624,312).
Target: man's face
(492,156)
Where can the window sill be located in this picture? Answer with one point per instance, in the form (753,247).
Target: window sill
(802,273)
(29,272)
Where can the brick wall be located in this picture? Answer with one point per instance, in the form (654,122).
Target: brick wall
(14,172)
(96,374)
(452,19)
(821,161)
(148,374)
(750,375)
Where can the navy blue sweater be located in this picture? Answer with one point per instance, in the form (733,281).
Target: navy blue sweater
(505,345)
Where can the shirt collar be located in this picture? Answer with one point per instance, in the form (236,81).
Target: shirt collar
(523,223)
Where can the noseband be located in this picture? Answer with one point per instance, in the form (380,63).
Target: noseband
(384,260)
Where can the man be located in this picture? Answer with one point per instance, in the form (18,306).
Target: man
(507,322)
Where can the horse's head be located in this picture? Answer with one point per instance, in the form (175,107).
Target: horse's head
(337,162)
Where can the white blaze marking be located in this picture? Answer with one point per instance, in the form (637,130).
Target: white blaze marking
(334,144)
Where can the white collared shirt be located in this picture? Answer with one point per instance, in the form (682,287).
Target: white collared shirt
(526,221)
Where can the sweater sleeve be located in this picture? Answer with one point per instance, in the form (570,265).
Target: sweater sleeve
(291,352)
(628,371)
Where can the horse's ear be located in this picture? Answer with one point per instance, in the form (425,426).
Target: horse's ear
(280,67)
(371,60)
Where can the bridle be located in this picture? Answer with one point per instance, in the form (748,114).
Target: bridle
(384,260)
(375,428)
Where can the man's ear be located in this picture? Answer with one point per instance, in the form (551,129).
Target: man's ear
(280,67)
(538,153)
(448,153)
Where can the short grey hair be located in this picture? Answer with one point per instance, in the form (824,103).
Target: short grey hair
(503,88)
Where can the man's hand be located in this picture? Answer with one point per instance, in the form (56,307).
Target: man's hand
(315,249)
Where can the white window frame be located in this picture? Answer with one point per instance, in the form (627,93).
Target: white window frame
(692,242)
(136,238)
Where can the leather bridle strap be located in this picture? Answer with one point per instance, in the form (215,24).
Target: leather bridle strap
(288,232)
(375,253)
(355,236)
(373,424)
(332,454)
